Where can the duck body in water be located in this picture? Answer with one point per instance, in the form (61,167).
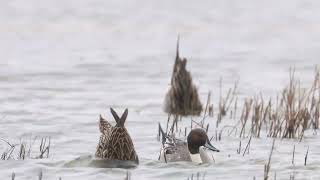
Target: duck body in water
(194,150)
(115,142)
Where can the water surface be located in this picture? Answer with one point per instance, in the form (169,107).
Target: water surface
(62,63)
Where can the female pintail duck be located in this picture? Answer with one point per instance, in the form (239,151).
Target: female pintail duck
(193,150)
(115,142)
(182,98)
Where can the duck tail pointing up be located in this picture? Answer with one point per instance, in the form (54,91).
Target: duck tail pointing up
(177,50)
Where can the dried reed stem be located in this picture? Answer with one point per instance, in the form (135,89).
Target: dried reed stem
(268,166)
(306,157)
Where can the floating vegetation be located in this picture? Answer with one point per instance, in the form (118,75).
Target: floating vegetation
(182,97)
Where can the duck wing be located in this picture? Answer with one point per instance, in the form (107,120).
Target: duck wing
(174,152)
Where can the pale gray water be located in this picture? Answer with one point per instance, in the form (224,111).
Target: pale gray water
(62,63)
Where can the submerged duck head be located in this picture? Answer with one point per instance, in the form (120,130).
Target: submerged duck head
(197,138)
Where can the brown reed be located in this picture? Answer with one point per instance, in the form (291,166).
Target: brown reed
(225,102)
(296,110)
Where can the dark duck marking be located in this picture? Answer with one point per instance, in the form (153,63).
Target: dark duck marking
(197,138)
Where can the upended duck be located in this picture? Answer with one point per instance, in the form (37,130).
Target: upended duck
(182,98)
(115,142)
(194,150)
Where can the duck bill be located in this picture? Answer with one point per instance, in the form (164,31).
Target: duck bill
(209,146)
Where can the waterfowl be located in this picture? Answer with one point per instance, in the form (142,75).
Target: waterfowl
(182,97)
(105,129)
(193,150)
(115,142)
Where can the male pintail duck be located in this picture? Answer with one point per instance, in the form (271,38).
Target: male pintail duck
(115,142)
(193,150)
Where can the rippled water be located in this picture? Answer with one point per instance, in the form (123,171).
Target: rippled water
(62,63)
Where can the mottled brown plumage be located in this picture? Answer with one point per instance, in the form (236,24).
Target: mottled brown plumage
(105,129)
(182,98)
(120,146)
(104,126)
(116,143)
